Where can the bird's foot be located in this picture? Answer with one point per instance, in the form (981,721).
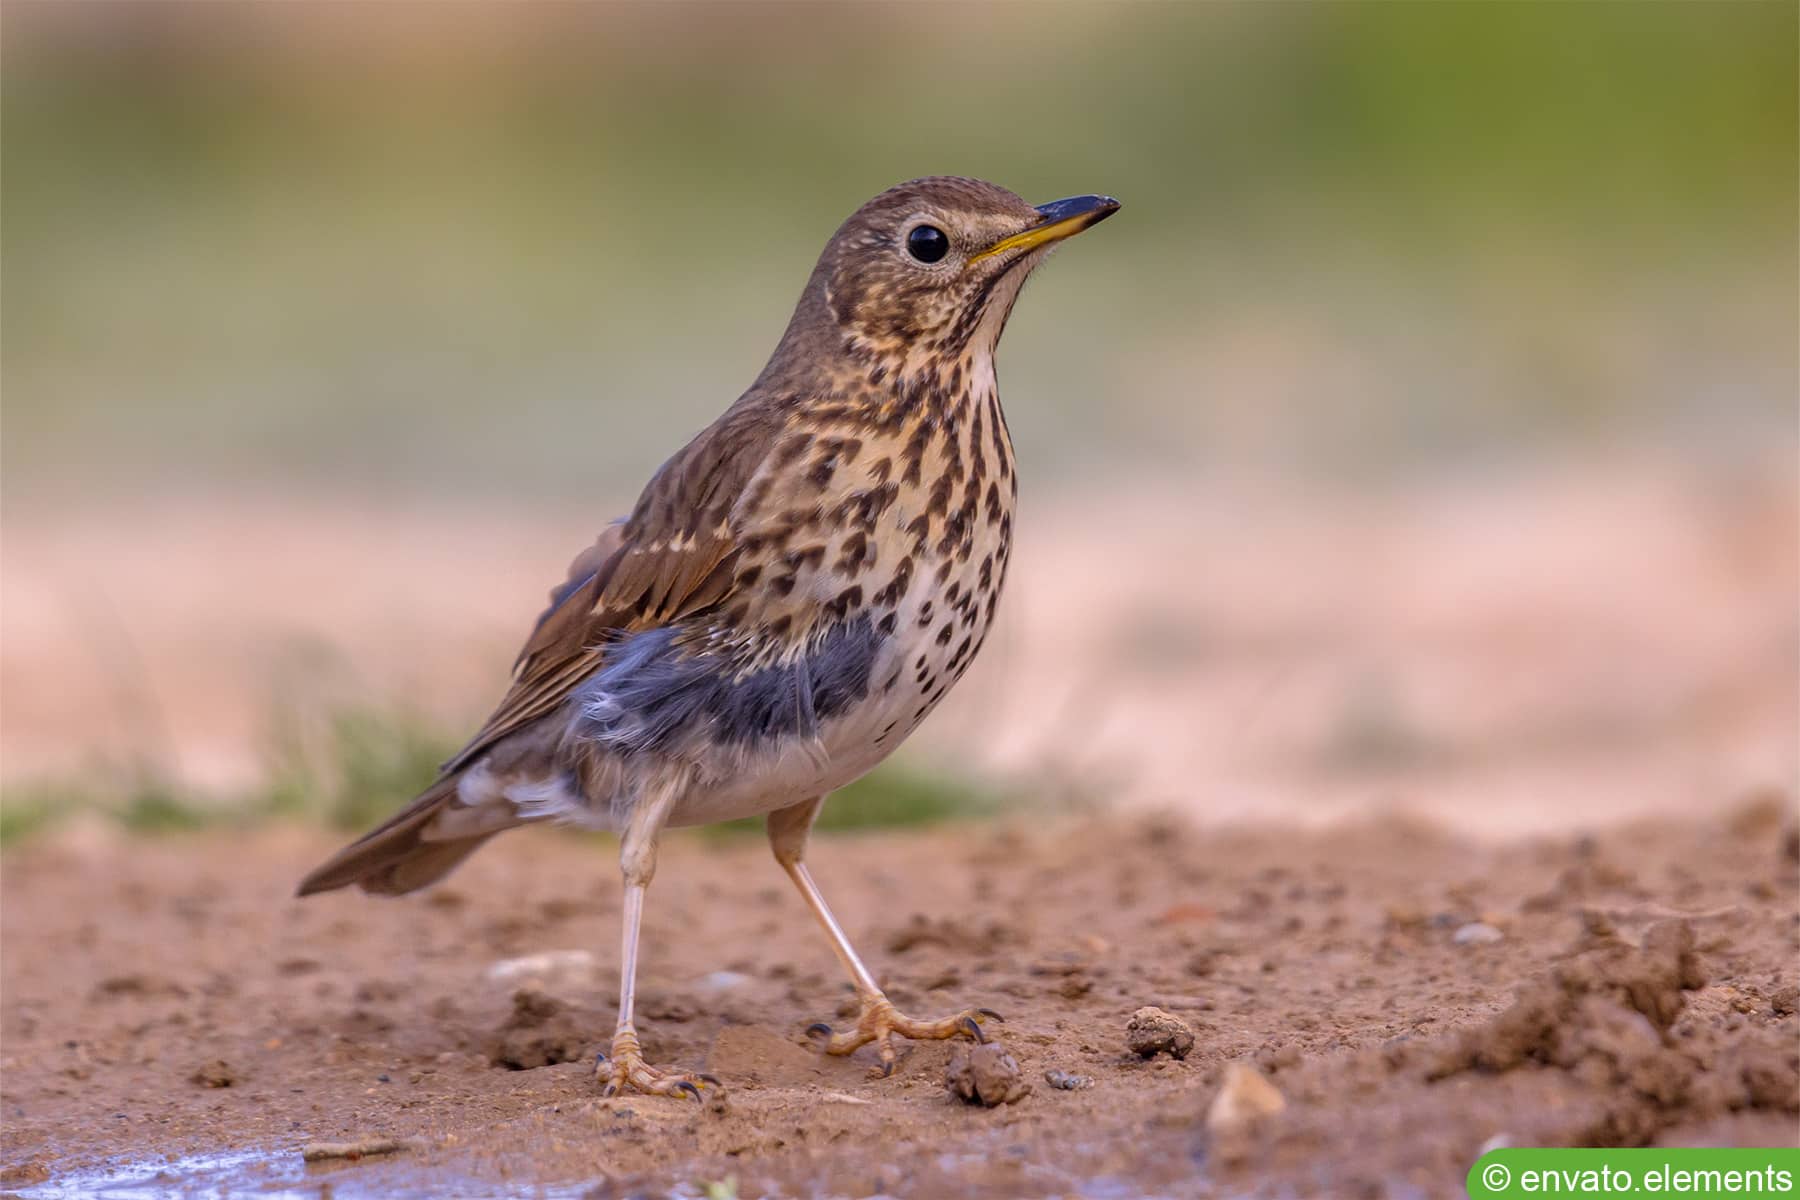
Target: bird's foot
(879,1022)
(627,1069)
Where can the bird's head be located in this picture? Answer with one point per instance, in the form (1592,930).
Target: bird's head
(927,272)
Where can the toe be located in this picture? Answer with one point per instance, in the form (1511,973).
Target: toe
(848,1043)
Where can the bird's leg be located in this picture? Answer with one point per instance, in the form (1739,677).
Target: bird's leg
(878,1021)
(637,858)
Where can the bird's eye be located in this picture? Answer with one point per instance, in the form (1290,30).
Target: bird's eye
(927,243)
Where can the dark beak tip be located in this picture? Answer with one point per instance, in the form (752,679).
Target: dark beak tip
(1094,208)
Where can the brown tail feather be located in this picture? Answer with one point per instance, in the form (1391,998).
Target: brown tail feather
(430,862)
(397,857)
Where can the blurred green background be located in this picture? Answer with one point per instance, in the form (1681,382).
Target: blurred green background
(330,330)
(526,249)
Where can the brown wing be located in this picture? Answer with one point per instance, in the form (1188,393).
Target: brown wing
(674,556)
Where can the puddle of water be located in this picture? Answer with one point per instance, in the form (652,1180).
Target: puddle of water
(144,1179)
(274,1175)
(284,1175)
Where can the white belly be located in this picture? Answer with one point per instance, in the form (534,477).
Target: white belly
(916,667)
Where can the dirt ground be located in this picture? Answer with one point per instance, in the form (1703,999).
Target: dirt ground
(175,1023)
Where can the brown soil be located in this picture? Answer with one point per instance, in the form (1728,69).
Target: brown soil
(170,1011)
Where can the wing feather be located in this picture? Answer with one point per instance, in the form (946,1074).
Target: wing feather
(674,556)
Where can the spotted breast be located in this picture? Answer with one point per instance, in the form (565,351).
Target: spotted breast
(876,539)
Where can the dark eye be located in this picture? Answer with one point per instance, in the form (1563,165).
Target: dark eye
(927,243)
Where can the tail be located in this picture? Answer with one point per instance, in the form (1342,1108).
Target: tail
(401,855)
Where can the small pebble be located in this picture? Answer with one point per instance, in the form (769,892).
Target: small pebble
(1068,1081)
(575,963)
(215,1074)
(321,1151)
(1477,933)
(1244,1096)
(986,1075)
(1153,1031)
(724,981)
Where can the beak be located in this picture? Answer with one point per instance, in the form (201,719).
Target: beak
(1057,220)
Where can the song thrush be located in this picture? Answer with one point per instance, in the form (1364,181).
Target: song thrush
(794,591)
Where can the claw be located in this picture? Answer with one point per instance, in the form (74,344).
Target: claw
(818,1029)
(881,1024)
(627,1071)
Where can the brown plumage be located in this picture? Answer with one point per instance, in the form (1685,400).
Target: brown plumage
(792,594)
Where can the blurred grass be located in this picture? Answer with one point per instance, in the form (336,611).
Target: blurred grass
(362,764)
(531,247)
(892,796)
(366,764)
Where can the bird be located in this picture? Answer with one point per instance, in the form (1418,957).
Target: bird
(792,594)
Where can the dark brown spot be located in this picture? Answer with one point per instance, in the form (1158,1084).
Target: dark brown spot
(896,587)
(914,453)
(848,599)
(792,449)
(920,528)
(854,554)
(810,556)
